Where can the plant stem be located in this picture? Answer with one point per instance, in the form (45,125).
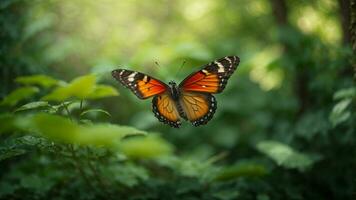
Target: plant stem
(81,106)
(67,110)
(74,155)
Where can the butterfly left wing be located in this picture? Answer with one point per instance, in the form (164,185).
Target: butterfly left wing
(213,77)
(196,107)
(142,85)
(165,109)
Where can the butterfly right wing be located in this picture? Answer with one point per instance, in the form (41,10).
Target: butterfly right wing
(142,85)
(213,77)
(198,108)
(165,109)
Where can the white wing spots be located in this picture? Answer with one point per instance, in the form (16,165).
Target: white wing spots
(131,78)
(145,78)
(205,72)
(122,71)
(228,59)
(203,86)
(221,67)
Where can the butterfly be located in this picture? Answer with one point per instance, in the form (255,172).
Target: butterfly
(191,100)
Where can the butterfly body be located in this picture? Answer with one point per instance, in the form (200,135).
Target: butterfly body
(174,90)
(191,100)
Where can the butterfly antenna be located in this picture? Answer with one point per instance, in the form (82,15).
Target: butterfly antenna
(180,68)
(157,64)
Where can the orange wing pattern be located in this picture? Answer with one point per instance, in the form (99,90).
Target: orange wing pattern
(192,100)
(165,110)
(142,85)
(213,77)
(198,108)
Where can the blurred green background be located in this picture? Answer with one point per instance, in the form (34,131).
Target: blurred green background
(284,127)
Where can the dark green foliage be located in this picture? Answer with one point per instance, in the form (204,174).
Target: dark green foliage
(284,128)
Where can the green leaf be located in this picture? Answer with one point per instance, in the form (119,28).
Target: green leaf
(345,93)
(101,91)
(284,155)
(80,87)
(10,122)
(42,80)
(53,127)
(62,129)
(95,111)
(33,105)
(339,113)
(150,146)
(19,94)
(104,134)
(241,170)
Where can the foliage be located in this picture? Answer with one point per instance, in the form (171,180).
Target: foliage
(42,80)
(284,155)
(17,95)
(284,127)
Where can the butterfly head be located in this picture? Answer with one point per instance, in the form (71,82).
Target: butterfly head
(174,90)
(172,83)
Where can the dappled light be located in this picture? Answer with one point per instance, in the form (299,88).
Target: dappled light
(262,105)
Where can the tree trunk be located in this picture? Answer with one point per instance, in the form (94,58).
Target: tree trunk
(353,33)
(345,15)
(280,12)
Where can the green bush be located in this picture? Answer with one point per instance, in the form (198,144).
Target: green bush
(284,127)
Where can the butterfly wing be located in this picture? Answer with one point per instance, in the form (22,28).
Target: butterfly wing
(198,108)
(165,109)
(213,77)
(142,85)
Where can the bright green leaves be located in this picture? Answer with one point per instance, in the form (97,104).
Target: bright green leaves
(284,155)
(62,129)
(101,91)
(80,87)
(340,113)
(104,134)
(83,87)
(41,80)
(150,146)
(52,126)
(19,94)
